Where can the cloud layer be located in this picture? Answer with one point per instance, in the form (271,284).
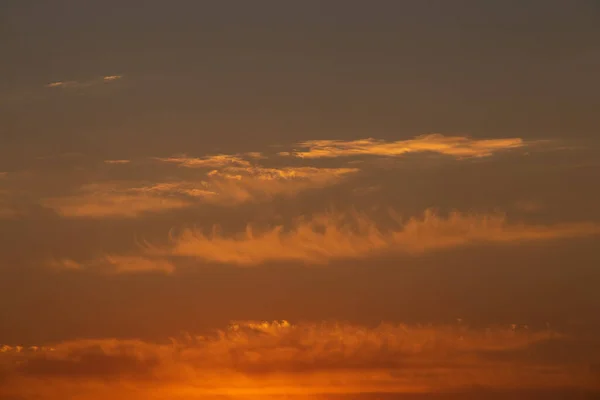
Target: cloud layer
(330,236)
(327,237)
(456,146)
(231,179)
(261,358)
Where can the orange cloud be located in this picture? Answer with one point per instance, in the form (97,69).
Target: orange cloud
(225,186)
(257,359)
(456,146)
(270,174)
(102,200)
(234,185)
(190,189)
(331,236)
(255,154)
(116,264)
(237,184)
(128,264)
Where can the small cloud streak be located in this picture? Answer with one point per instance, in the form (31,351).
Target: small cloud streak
(110,78)
(181,188)
(214,161)
(65,264)
(115,264)
(331,236)
(127,264)
(257,359)
(455,146)
(255,154)
(84,84)
(63,84)
(117,162)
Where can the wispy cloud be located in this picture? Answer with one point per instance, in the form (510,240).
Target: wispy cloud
(456,146)
(236,185)
(110,264)
(117,161)
(83,84)
(102,200)
(128,264)
(255,154)
(230,179)
(212,161)
(327,237)
(110,78)
(330,236)
(189,189)
(258,359)
(115,264)
(62,84)
(233,179)
(65,264)
(225,186)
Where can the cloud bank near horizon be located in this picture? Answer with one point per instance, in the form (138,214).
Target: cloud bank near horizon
(276,358)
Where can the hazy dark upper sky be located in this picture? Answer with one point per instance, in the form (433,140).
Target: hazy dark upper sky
(232,74)
(413,185)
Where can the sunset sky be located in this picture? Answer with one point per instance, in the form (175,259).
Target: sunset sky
(307,199)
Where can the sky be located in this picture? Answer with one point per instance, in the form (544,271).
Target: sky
(299,200)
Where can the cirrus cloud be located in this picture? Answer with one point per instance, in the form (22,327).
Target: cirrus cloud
(211,161)
(331,236)
(456,146)
(226,186)
(323,238)
(111,199)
